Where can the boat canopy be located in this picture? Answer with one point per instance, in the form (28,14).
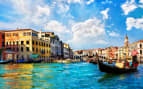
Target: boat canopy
(34,56)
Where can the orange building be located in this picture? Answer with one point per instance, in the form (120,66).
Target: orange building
(111,52)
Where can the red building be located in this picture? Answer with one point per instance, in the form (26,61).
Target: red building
(6,53)
(113,52)
(2,40)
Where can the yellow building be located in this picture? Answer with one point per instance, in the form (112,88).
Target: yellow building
(27,43)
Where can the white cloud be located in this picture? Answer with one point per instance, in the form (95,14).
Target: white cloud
(132,22)
(129,6)
(141,4)
(105,13)
(5,25)
(89,32)
(141,1)
(74,1)
(62,8)
(28,13)
(43,10)
(57,27)
(113,34)
(89,2)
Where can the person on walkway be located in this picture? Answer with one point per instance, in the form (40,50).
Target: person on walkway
(134,58)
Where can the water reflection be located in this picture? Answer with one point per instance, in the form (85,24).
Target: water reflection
(65,76)
(20,74)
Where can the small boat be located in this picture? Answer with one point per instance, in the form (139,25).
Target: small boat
(5,61)
(113,69)
(29,61)
(92,60)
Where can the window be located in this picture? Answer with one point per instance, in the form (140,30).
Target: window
(33,34)
(22,42)
(36,49)
(13,48)
(3,36)
(27,49)
(46,45)
(10,43)
(26,33)
(33,42)
(3,44)
(47,35)
(8,34)
(36,43)
(17,49)
(15,34)
(7,43)
(27,42)
(33,49)
(21,49)
(140,45)
(29,33)
(17,42)
(42,44)
(17,56)
(13,42)
(43,36)
(140,51)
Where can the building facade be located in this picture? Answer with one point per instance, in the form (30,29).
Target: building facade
(2,40)
(25,42)
(67,51)
(28,43)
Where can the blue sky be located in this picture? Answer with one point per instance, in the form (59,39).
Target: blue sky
(84,24)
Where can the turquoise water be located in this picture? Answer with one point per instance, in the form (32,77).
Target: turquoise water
(65,76)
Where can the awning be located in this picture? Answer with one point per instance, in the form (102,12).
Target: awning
(34,56)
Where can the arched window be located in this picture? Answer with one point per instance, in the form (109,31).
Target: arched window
(17,42)
(140,45)
(7,43)
(10,43)
(13,42)
(140,51)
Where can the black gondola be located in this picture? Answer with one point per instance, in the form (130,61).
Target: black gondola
(113,69)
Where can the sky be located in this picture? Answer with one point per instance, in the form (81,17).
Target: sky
(84,24)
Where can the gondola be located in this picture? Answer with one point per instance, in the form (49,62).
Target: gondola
(6,62)
(113,69)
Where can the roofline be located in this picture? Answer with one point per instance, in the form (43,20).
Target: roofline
(17,30)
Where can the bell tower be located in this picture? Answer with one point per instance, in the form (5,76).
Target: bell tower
(126,41)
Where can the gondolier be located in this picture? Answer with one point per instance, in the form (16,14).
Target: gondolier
(134,58)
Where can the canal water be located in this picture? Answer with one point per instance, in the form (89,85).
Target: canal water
(65,76)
